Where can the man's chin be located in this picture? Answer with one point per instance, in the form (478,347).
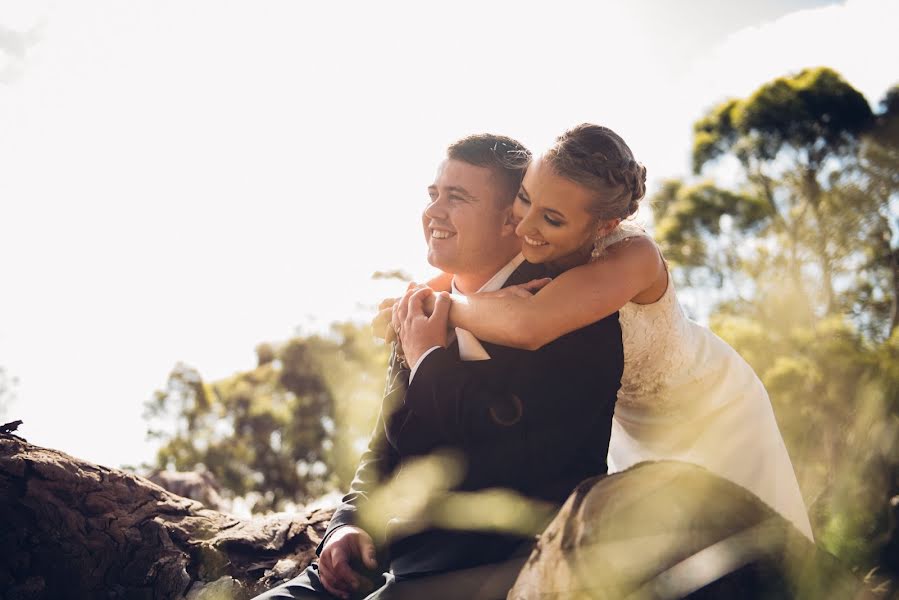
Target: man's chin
(440,261)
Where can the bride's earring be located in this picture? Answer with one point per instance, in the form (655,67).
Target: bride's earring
(602,235)
(598,246)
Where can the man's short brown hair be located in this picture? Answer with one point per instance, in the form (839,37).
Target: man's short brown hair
(507,158)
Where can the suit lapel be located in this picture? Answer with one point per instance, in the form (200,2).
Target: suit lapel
(524,273)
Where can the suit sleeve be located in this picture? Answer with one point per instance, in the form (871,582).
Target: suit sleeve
(379,459)
(520,416)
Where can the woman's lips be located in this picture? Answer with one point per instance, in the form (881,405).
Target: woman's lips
(533,242)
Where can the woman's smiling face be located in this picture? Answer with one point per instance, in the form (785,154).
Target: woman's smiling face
(555,224)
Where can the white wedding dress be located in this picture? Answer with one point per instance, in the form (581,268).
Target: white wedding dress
(687,395)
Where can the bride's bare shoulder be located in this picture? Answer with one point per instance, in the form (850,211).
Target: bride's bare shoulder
(637,251)
(639,259)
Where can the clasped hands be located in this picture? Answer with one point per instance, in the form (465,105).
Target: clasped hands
(419,320)
(416,322)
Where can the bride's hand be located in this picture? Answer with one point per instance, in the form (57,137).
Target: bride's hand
(429,302)
(380,325)
(522,290)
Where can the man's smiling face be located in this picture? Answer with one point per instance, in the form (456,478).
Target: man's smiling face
(466,223)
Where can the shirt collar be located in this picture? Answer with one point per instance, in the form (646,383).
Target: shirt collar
(497,281)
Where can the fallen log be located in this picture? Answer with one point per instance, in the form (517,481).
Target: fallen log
(73,529)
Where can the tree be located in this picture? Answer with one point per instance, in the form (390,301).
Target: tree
(802,247)
(878,182)
(285,432)
(791,137)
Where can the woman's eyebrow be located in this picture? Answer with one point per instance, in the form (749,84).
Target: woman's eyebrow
(554,211)
(524,192)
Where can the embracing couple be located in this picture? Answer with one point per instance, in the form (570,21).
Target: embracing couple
(552,349)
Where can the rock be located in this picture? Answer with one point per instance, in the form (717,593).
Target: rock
(666,530)
(224,588)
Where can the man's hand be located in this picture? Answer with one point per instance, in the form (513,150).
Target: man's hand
(417,331)
(348,549)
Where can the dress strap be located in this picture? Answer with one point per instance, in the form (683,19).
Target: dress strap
(628,228)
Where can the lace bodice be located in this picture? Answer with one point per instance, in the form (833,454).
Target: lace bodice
(659,345)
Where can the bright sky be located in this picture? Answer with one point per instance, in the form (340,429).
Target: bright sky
(182,180)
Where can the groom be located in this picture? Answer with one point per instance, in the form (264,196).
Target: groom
(535,423)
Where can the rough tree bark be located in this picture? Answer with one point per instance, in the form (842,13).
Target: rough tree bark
(72,529)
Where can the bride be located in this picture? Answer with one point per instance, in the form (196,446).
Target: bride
(685,394)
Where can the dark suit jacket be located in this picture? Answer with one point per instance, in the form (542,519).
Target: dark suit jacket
(534,422)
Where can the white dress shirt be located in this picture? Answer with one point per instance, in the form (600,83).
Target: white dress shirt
(469,346)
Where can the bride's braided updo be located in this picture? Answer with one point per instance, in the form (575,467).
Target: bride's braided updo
(597,158)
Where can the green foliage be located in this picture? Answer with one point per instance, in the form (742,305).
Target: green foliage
(804,249)
(285,432)
(818,191)
(797,140)
(686,215)
(714,134)
(815,113)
